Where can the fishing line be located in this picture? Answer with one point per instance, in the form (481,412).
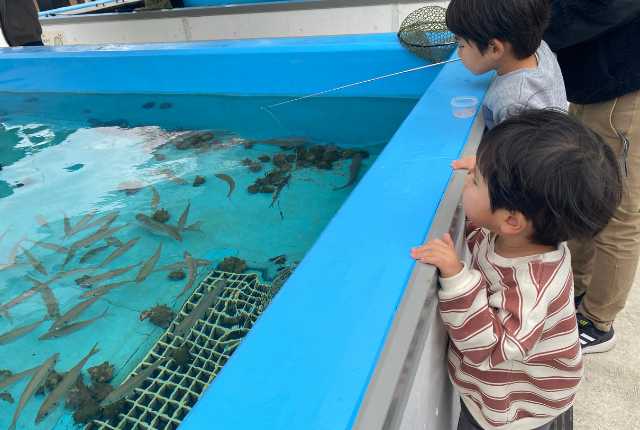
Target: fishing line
(353,84)
(275,118)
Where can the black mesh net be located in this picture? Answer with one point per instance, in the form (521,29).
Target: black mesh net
(424,32)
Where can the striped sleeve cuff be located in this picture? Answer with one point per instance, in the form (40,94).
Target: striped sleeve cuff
(457,285)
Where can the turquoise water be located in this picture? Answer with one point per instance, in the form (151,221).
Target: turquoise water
(76,159)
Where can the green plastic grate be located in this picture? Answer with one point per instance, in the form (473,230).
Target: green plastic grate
(167,395)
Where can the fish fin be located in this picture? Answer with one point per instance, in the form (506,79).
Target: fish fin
(183,217)
(196,226)
(342,187)
(203,262)
(95,348)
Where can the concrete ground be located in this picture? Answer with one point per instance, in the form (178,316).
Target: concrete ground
(609,397)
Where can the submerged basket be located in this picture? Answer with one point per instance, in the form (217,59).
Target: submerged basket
(167,395)
(424,32)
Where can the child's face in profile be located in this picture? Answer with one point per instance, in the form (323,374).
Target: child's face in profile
(474,60)
(476,201)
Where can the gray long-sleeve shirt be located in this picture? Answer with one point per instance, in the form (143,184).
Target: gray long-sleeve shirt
(538,88)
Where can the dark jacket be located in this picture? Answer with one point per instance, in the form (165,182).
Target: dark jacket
(598,47)
(19,21)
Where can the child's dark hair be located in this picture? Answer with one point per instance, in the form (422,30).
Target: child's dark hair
(520,22)
(555,171)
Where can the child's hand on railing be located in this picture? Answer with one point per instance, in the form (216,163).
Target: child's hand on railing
(464,163)
(440,253)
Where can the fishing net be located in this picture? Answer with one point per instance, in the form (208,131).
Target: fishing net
(167,395)
(424,32)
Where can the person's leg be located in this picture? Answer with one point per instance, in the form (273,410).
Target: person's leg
(582,251)
(617,248)
(563,422)
(466,420)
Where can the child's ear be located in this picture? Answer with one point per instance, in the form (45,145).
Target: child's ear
(496,48)
(513,222)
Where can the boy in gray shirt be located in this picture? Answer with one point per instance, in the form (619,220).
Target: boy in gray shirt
(506,36)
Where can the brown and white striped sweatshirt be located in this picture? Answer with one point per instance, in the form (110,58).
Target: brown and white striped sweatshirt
(514,354)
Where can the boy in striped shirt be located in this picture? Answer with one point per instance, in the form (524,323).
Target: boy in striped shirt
(540,179)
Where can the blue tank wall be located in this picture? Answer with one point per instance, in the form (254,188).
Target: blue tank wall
(296,66)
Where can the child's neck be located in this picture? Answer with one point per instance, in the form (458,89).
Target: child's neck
(519,246)
(510,64)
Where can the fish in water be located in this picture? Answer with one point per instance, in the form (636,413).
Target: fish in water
(104,289)
(90,280)
(354,170)
(279,259)
(281,185)
(127,387)
(100,234)
(70,255)
(82,224)
(229,180)
(17,300)
(168,173)
(63,386)
(182,221)
(12,379)
(120,251)
(67,226)
(192,267)
(11,262)
(158,227)
(113,241)
(50,301)
(35,263)
(4,234)
(205,303)
(148,266)
(71,328)
(196,226)
(14,251)
(73,313)
(70,272)
(42,221)
(92,253)
(51,246)
(181,265)
(34,384)
(288,142)
(155,197)
(19,332)
(104,221)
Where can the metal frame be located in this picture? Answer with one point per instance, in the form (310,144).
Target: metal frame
(393,381)
(81,8)
(259,20)
(234,9)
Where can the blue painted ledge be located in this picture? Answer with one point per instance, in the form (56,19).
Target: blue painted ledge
(271,67)
(307,362)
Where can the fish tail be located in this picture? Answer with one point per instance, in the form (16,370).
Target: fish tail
(196,226)
(5,315)
(95,348)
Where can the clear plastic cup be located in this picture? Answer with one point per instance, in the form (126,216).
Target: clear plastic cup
(464,106)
